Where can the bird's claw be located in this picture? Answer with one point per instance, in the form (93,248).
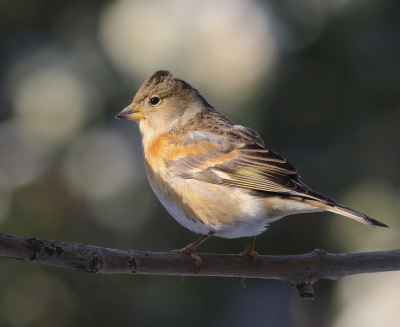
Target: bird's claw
(252,254)
(190,250)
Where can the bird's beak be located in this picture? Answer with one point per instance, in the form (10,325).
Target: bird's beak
(131,112)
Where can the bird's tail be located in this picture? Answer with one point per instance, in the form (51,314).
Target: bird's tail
(344,211)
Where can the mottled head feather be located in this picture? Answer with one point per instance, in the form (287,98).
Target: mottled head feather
(157,78)
(163,83)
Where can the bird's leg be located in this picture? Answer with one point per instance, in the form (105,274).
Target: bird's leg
(250,249)
(251,253)
(190,249)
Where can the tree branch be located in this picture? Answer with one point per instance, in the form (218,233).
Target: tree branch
(300,271)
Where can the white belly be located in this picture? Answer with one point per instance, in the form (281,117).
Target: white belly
(248,226)
(251,218)
(227,211)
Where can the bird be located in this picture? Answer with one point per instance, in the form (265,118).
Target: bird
(213,176)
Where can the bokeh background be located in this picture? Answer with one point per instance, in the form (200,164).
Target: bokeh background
(319,80)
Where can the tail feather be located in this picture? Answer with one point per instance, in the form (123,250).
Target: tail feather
(344,211)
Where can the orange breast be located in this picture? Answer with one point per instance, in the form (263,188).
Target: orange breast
(172,147)
(155,154)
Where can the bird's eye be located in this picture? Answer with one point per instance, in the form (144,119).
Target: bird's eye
(155,101)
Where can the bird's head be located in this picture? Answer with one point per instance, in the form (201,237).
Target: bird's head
(163,103)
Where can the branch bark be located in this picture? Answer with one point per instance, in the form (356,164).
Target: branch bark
(300,271)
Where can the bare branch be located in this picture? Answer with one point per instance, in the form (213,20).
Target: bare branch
(300,271)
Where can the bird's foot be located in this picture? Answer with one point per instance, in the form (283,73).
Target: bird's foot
(251,253)
(250,250)
(190,250)
(255,256)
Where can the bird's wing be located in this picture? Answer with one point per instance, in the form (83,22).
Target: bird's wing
(239,158)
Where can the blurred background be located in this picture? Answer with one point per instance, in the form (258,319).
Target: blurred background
(319,80)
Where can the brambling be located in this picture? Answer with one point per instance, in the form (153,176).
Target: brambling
(213,176)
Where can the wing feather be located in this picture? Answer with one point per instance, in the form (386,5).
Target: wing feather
(237,157)
(241,162)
